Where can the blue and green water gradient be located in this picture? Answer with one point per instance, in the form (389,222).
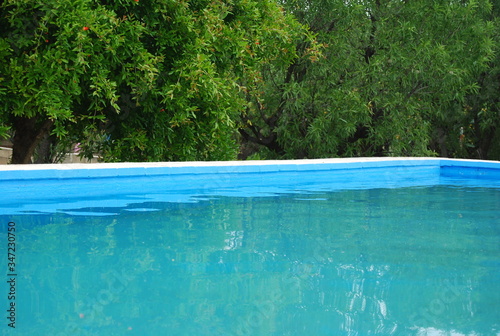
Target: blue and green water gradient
(306,254)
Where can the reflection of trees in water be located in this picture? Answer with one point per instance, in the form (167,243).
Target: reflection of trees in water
(256,266)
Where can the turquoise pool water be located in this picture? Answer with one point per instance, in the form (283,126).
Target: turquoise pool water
(325,247)
(414,260)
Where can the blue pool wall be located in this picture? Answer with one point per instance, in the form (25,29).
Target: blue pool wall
(381,167)
(368,173)
(49,188)
(434,166)
(472,168)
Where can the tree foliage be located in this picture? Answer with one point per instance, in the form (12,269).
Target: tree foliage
(196,80)
(393,80)
(480,117)
(136,80)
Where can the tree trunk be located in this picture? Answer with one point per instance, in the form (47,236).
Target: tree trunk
(28,133)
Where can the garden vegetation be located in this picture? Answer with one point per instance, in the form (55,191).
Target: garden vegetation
(179,80)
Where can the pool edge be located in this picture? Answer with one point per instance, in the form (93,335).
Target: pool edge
(130,169)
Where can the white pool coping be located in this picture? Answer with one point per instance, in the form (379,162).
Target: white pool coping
(64,166)
(131,169)
(73,166)
(59,186)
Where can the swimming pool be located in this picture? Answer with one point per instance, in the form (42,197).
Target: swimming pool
(314,247)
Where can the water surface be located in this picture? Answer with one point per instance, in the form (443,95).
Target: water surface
(403,261)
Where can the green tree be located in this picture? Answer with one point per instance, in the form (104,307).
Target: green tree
(135,80)
(479,121)
(391,74)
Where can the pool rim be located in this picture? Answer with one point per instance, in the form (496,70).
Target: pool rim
(131,169)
